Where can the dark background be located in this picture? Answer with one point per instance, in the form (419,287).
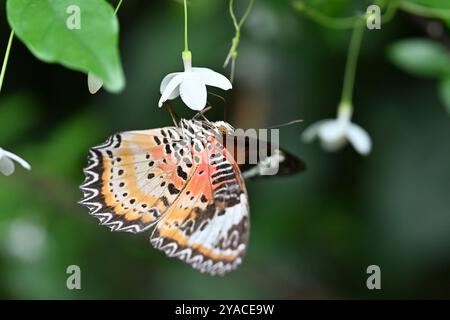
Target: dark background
(312,235)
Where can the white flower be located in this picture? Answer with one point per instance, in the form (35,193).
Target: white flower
(191,84)
(334,133)
(7,164)
(94,83)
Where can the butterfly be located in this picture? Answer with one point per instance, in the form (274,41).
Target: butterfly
(186,183)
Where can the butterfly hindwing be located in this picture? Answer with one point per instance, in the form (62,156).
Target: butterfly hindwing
(208,224)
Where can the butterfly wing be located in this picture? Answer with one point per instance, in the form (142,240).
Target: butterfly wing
(258,158)
(208,225)
(131,178)
(193,192)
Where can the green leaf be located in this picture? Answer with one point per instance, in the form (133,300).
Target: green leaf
(420,57)
(444,89)
(43,26)
(436,4)
(336,8)
(429,8)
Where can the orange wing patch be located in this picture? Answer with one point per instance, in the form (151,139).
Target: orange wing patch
(207,226)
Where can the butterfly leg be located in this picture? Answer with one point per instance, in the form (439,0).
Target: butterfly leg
(201,113)
(172,113)
(218,96)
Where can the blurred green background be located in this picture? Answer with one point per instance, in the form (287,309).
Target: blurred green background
(312,235)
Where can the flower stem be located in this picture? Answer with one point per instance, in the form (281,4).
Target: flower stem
(391,10)
(352,61)
(323,19)
(233,16)
(186,46)
(5,59)
(246,13)
(118,6)
(232,54)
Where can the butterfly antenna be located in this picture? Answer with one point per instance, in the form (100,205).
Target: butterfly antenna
(172,113)
(218,96)
(224,101)
(285,124)
(225,113)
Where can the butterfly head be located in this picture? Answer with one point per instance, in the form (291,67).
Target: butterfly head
(223,127)
(196,128)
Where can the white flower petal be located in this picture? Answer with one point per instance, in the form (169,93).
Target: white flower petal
(332,131)
(360,139)
(6,166)
(212,78)
(334,145)
(193,91)
(170,88)
(312,131)
(175,93)
(18,159)
(94,83)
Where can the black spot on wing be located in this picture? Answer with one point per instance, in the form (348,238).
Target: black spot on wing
(183,175)
(172,189)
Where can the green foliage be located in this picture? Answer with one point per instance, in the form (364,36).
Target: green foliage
(444,89)
(312,235)
(437,4)
(74,134)
(425,58)
(42,26)
(19,110)
(420,57)
(337,7)
(439,9)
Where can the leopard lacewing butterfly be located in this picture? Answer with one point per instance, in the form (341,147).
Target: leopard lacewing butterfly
(186,184)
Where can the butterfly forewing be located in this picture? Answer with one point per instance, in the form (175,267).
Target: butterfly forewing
(255,157)
(127,180)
